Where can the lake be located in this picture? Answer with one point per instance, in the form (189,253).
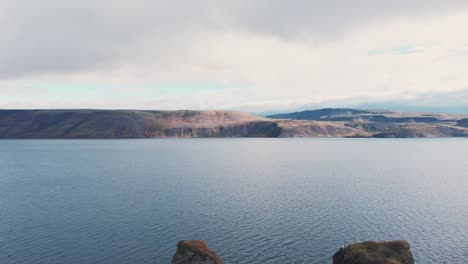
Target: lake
(253,200)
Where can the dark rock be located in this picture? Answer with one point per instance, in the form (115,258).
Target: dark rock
(195,252)
(391,252)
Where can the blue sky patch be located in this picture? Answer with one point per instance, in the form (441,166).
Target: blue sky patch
(400,50)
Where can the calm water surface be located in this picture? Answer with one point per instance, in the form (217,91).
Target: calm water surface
(253,200)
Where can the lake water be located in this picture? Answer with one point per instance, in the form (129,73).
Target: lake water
(253,200)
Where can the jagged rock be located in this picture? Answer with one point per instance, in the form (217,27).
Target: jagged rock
(195,252)
(370,252)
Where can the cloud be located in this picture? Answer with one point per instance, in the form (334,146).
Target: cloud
(264,54)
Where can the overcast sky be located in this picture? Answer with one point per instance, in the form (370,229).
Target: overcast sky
(251,55)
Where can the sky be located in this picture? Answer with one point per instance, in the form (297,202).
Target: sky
(261,56)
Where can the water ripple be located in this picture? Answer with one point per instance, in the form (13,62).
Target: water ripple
(254,201)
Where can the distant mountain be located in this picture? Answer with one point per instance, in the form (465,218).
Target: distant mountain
(331,122)
(346,114)
(131,124)
(320,114)
(383,123)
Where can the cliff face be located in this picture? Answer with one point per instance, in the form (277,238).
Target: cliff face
(16,124)
(132,124)
(391,252)
(156,124)
(296,128)
(251,129)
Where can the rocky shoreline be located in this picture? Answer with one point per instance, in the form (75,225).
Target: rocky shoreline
(368,252)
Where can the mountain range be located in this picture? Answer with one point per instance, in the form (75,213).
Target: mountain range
(328,122)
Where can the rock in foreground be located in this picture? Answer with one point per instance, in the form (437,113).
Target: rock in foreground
(195,252)
(391,252)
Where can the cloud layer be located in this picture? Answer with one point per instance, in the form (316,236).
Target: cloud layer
(262,55)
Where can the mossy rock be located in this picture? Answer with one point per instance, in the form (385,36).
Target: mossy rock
(370,252)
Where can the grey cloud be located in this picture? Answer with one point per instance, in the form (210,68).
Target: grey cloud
(335,16)
(56,36)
